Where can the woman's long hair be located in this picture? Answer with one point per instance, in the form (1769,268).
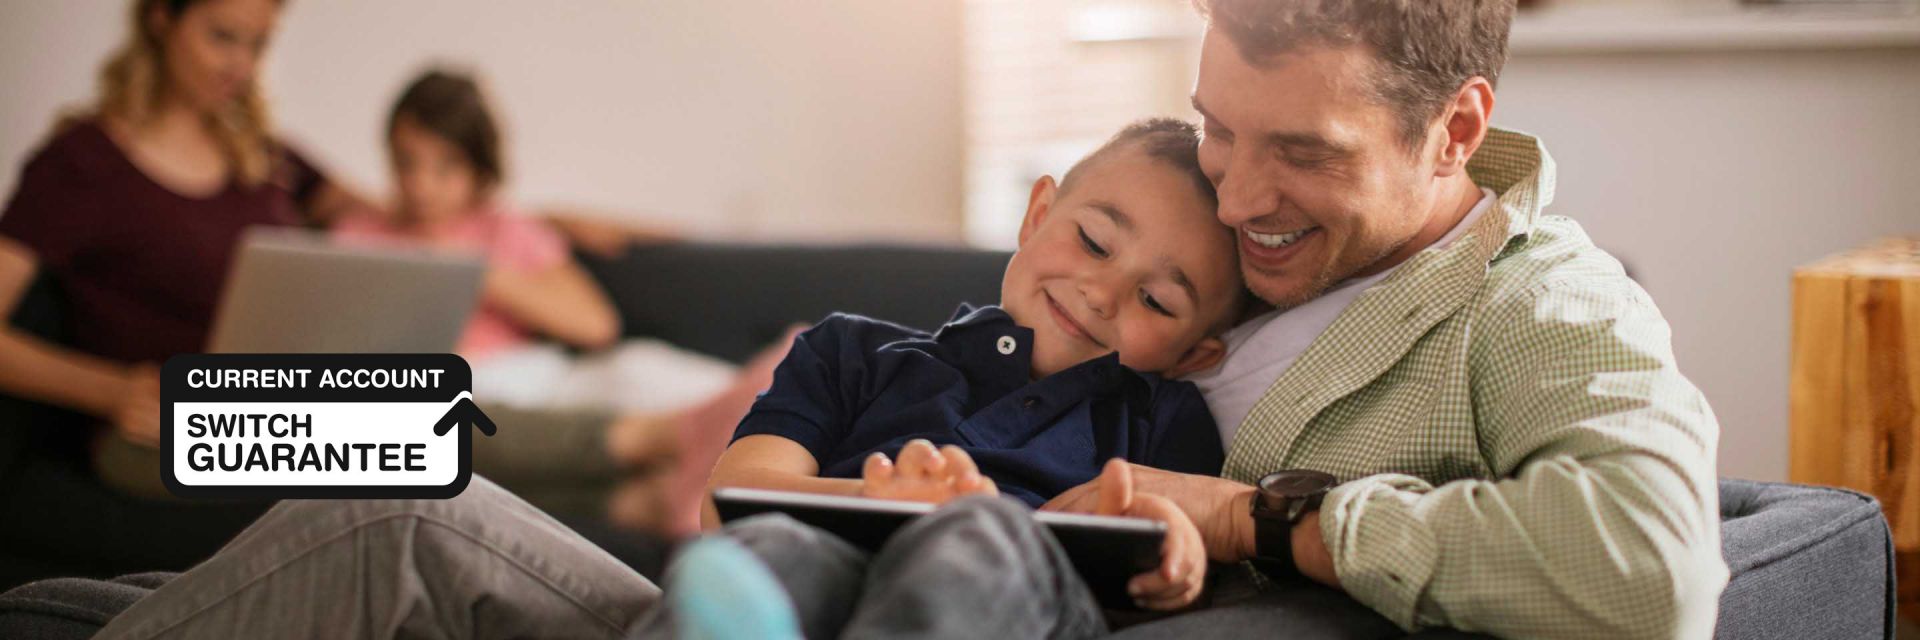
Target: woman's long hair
(131,83)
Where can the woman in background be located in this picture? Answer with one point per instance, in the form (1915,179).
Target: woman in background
(133,209)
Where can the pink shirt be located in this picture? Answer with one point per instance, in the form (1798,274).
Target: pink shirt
(509,241)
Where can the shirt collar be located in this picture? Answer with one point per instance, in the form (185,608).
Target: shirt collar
(977,336)
(1518,169)
(986,341)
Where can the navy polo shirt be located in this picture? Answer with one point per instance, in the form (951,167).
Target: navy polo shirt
(852,386)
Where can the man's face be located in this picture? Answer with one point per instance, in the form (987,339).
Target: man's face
(1127,259)
(1311,171)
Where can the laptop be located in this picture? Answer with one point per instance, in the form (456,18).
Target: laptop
(299,291)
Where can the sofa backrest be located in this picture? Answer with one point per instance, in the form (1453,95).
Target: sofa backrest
(732,300)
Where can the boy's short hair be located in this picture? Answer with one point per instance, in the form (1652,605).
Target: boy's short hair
(1174,142)
(451,105)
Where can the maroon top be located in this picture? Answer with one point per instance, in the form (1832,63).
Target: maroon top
(140,266)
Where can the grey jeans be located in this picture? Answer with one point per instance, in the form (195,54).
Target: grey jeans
(488,565)
(978,567)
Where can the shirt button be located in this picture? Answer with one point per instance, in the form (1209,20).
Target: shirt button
(1006,345)
(1030,402)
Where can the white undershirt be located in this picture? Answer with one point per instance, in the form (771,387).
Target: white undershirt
(1261,349)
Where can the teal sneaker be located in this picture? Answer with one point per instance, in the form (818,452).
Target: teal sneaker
(720,591)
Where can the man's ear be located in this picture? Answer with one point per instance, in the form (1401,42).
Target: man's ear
(1039,204)
(1463,125)
(1201,357)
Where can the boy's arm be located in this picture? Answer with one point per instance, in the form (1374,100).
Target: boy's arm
(770,462)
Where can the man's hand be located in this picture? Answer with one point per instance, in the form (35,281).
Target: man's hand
(1218,507)
(924,475)
(136,417)
(1183,557)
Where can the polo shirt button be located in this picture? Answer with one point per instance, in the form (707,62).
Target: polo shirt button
(1030,402)
(1006,345)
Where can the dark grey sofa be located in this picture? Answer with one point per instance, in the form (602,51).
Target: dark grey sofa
(1807,562)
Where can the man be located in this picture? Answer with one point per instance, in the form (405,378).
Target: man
(1514,448)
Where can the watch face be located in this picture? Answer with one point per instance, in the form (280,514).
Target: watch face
(1296,483)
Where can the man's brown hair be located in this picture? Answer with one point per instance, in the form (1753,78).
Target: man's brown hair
(451,105)
(1424,49)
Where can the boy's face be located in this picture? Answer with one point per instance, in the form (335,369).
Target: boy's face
(1131,259)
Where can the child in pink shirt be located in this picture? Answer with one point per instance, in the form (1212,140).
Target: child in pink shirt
(511,243)
(539,308)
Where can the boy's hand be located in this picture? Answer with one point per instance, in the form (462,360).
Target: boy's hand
(1183,558)
(924,474)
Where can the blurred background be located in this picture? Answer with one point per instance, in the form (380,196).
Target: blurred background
(1712,146)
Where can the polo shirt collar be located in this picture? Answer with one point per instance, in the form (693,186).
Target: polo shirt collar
(988,341)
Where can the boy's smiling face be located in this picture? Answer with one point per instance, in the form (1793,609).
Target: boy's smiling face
(1128,258)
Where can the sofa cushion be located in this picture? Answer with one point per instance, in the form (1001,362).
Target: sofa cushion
(71,607)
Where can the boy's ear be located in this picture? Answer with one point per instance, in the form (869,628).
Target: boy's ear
(1039,203)
(1201,357)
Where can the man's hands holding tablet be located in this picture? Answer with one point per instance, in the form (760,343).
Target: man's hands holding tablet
(1183,557)
(926,474)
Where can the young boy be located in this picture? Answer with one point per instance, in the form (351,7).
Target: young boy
(1123,279)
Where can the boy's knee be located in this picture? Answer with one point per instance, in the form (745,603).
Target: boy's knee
(773,532)
(993,508)
(764,524)
(995,514)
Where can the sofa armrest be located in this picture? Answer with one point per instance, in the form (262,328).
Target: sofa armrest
(1807,562)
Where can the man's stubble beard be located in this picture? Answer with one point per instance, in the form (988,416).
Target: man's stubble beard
(1329,275)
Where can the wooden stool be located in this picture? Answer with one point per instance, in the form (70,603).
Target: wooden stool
(1855,390)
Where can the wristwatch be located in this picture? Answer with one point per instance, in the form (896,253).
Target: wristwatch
(1280,500)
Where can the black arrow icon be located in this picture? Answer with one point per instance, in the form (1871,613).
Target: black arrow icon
(463,412)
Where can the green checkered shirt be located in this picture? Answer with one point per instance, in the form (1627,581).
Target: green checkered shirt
(1520,455)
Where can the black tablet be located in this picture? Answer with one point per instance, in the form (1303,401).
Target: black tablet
(1106,550)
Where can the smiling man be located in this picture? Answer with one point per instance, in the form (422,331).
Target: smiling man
(1461,412)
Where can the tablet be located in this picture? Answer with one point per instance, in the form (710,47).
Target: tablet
(1105,550)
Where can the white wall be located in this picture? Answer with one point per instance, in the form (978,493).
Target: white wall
(746,118)
(1713,175)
